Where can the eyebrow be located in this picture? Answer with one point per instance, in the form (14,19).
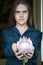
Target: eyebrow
(19,10)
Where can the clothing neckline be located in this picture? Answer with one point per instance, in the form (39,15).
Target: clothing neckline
(19,31)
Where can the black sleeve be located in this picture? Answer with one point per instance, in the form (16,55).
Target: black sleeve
(36,38)
(7,43)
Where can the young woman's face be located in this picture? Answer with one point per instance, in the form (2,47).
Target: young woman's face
(21,14)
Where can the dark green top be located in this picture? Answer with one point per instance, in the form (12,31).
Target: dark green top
(12,35)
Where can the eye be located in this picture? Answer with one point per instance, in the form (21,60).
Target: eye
(25,11)
(17,11)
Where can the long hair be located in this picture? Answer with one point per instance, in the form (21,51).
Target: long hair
(12,21)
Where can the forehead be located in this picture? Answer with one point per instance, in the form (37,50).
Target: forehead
(21,7)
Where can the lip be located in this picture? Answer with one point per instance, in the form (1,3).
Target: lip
(21,19)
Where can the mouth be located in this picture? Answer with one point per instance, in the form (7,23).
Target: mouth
(21,19)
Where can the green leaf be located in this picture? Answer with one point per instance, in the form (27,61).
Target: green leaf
(25,60)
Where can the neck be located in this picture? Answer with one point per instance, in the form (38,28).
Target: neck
(21,26)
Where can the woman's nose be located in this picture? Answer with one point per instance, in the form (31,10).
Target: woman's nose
(21,14)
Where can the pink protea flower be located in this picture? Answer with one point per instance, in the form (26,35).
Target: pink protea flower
(25,45)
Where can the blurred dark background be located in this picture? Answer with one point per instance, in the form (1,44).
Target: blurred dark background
(4,16)
(4,9)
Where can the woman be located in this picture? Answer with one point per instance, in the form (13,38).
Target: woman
(21,17)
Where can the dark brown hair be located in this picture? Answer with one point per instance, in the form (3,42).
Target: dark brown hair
(12,21)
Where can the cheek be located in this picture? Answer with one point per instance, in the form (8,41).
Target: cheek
(26,16)
(16,16)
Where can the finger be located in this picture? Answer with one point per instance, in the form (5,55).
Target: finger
(33,48)
(32,51)
(18,53)
(20,57)
(29,56)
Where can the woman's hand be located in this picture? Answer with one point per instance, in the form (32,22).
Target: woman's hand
(19,55)
(14,47)
(30,54)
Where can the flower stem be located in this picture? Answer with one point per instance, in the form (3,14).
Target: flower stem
(23,63)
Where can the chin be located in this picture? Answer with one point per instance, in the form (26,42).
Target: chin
(21,23)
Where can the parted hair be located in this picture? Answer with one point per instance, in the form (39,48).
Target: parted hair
(15,3)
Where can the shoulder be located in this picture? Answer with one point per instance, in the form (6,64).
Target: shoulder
(8,30)
(5,31)
(35,33)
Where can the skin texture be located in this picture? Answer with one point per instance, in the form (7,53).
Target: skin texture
(21,14)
